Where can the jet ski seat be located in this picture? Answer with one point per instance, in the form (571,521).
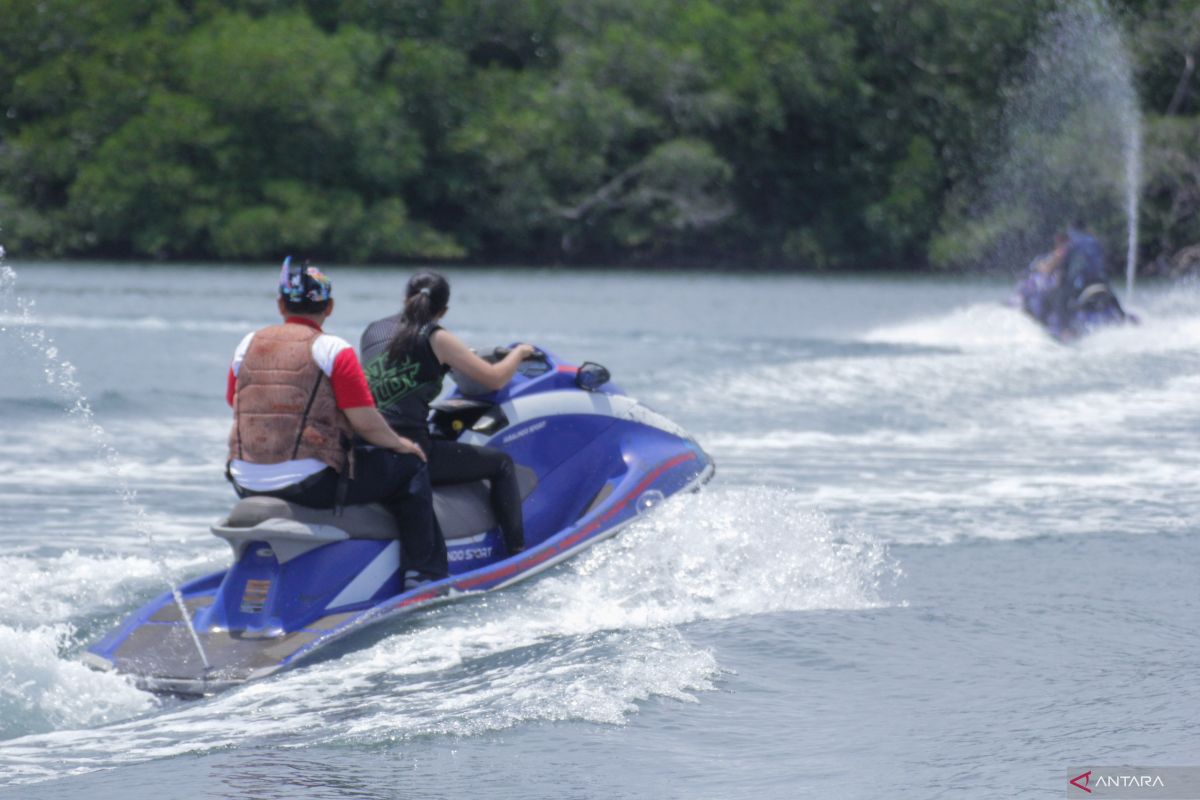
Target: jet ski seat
(462,510)
(1097,297)
(465,509)
(370,521)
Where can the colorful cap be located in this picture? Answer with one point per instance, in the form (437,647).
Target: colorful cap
(300,282)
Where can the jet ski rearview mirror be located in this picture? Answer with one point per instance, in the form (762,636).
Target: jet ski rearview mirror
(591,376)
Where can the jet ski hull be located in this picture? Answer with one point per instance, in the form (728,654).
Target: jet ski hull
(600,462)
(1096,307)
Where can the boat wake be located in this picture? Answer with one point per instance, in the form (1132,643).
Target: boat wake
(977,326)
(971,424)
(1169,323)
(586,642)
(53,606)
(43,690)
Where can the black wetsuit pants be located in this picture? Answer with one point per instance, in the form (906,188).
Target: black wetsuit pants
(400,482)
(454,462)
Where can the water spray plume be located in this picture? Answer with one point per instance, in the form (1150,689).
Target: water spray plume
(1133,182)
(60,376)
(1070,147)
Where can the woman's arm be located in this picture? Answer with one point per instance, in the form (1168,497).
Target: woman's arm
(453,352)
(371,426)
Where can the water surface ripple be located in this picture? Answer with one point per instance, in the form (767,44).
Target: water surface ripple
(942,553)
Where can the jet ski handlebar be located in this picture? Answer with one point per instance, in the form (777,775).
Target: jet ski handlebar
(501,351)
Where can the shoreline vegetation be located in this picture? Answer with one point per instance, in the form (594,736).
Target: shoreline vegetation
(790,135)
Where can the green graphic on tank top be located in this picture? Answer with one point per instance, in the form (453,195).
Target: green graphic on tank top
(391,384)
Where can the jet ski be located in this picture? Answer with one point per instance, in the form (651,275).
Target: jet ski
(1094,307)
(590,461)
(1065,290)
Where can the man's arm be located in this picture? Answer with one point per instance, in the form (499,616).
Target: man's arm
(230,387)
(234,366)
(353,397)
(372,427)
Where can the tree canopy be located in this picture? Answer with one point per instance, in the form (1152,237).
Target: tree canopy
(812,134)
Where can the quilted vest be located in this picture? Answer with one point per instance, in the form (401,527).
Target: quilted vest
(283,405)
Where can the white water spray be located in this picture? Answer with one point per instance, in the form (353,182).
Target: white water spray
(1084,65)
(1133,182)
(1071,144)
(60,375)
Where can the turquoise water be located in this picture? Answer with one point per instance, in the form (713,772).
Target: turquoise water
(942,555)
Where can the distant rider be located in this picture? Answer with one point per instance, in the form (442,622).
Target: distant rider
(1083,286)
(1038,289)
(299,395)
(406,357)
(1085,259)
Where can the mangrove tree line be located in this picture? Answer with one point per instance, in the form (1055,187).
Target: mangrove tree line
(818,134)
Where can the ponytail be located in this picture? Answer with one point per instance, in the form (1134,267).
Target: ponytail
(426,296)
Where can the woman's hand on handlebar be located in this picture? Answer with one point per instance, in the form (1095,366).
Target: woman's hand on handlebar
(523,351)
(526,351)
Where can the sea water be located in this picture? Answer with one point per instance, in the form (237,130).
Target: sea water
(942,554)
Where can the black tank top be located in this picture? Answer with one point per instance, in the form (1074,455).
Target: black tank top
(403,388)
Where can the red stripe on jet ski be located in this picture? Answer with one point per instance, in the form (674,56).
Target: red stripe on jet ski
(421,598)
(569,542)
(579,535)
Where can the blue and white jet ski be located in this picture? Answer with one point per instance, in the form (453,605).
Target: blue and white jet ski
(1095,307)
(1089,304)
(589,458)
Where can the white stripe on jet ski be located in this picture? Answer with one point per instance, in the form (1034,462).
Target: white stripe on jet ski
(371,579)
(551,404)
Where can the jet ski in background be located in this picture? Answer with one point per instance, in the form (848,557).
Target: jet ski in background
(1066,290)
(590,461)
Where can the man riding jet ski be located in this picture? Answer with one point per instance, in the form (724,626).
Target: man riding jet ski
(299,397)
(1066,290)
(307,570)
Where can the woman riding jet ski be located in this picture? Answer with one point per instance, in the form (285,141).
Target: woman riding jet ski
(1066,291)
(589,460)
(406,356)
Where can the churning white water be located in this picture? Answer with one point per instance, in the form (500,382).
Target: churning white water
(59,374)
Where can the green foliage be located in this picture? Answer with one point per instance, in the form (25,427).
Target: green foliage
(967,238)
(904,217)
(1172,183)
(810,133)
